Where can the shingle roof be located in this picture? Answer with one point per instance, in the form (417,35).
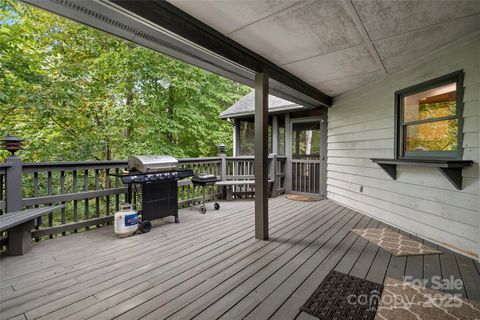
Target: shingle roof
(246,106)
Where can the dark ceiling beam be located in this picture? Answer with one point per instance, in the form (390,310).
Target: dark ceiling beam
(177,21)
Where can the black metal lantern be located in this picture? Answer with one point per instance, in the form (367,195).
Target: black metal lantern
(222,148)
(12,144)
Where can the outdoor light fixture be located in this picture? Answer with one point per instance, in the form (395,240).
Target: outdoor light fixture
(12,144)
(222,148)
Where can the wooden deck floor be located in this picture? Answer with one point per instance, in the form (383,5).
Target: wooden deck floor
(209,266)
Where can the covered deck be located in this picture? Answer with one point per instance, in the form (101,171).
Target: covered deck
(210,266)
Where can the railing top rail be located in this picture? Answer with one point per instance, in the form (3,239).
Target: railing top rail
(240,158)
(102,164)
(72,165)
(109,164)
(207,159)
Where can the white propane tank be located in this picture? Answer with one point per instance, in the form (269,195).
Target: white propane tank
(126,221)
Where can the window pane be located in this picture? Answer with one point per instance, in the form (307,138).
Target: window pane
(281,135)
(306,141)
(247,138)
(270,138)
(281,141)
(433,103)
(432,136)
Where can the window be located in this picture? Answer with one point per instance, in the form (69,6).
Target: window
(429,119)
(281,135)
(247,138)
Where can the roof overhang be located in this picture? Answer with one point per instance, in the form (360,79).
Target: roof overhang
(248,114)
(163,27)
(245,107)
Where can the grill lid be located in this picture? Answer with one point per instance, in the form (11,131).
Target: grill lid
(158,163)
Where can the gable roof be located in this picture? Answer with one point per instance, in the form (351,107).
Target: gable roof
(246,106)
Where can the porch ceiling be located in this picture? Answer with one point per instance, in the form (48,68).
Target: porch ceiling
(337,46)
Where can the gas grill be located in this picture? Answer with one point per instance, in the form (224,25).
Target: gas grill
(205,180)
(157,176)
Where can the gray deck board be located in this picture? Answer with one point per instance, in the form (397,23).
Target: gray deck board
(432,268)
(470,277)
(448,263)
(209,266)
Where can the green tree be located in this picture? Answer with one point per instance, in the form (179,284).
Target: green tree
(76,93)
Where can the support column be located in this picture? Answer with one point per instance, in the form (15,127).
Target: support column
(14,184)
(223,169)
(273,163)
(288,153)
(236,137)
(275,135)
(261,156)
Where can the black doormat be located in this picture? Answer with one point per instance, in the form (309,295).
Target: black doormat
(342,297)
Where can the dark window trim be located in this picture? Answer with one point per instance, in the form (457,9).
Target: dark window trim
(456,76)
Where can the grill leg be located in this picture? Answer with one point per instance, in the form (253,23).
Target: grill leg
(177,220)
(204,187)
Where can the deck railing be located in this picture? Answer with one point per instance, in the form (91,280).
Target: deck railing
(92,196)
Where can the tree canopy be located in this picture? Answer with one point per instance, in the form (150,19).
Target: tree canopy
(76,93)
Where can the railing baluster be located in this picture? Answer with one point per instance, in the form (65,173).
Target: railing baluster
(107,186)
(49,192)
(305,176)
(117,196)
(35,194)
(2,184)
(75,202)
(85,202)
(97,199)
(309,172)
(314,166)
(296,177)
(62,191)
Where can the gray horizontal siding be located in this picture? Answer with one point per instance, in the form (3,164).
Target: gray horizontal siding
(421,200)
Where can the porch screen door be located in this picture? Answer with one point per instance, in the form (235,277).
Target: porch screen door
(305,156)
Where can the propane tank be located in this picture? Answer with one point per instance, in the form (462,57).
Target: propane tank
(126,221)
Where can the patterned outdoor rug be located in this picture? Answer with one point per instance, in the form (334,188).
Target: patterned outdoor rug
(297,197)
(403,300)
(340,296)
(394,242)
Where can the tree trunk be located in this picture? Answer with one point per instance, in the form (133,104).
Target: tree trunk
(170,116)
(129,100)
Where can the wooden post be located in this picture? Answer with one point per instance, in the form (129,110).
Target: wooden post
(288,154)
(273,163)
(323,154)
(261,156)
(223,167)
(14,184)
(20,237)
(236,137)
(275,135)
(273,175)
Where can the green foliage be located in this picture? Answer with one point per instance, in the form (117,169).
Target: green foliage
(434,136)
(76,93)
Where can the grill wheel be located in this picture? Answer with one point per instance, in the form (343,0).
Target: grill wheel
(145,226)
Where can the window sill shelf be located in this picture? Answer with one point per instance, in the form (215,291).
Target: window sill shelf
(451,169)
